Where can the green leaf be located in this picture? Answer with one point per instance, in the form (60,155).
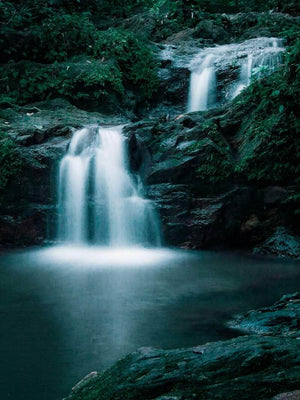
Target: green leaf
(275,93)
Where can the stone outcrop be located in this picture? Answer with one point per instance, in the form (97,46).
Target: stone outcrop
(204,201)
(280,319)
(280,244)
(264,365)
(41,133)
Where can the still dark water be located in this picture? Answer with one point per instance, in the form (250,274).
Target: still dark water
(67,312)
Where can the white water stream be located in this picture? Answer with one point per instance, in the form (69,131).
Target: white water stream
(100,202)
(252,59)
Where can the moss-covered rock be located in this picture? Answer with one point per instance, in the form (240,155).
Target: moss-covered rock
(266,365)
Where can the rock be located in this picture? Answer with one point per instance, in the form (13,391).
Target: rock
(275,194)
(179,37)
(209,29)
(25,227)
(200,202)
(281,244)
(225,370)
(174,84)
(266,362)
(250,224)
(191,221)
(281,319)
(295,395)
(139,157)
(87,380)
(28,202)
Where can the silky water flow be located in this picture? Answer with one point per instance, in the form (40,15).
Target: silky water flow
(99,200)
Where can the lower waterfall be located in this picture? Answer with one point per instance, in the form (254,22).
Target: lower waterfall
(99,201)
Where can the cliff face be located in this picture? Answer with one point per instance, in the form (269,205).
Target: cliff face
(221,178)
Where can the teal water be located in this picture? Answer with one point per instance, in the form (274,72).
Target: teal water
(68,311)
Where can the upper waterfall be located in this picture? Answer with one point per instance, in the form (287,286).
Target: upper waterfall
(99,201)
(220,73)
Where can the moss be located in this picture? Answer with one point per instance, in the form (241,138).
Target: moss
(10,165)
(133,57)
(41,33)
(26,82)
(271,144)
(218,164)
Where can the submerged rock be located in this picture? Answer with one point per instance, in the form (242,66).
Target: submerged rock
(246,367)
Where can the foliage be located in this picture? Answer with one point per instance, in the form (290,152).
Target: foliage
(27,82)
(10,165)
(54,31)
(218,163)
(133,57)
(217,167)
(58,37)
(186,7)
(273,130)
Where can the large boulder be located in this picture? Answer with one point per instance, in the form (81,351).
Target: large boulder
(264,365)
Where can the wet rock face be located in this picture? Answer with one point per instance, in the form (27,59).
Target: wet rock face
(193,221)
(265,365)
(280,319)
(41,134)
(209,29)
(281,244)
(202,201)
(199,207)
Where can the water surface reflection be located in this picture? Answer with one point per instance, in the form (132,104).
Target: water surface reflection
(68,311)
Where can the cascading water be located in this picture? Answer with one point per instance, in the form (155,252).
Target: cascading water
(240,62)
(202,85)
(99,201)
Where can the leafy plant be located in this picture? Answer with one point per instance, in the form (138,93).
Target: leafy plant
(132,56)
(10,165)
(274,129)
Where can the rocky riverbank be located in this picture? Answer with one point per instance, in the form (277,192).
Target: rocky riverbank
(224,178)
(190,165)
(262,365)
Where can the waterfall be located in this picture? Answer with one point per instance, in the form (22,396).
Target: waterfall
(220,73)
(244,76)
(99,201)
(202,85)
